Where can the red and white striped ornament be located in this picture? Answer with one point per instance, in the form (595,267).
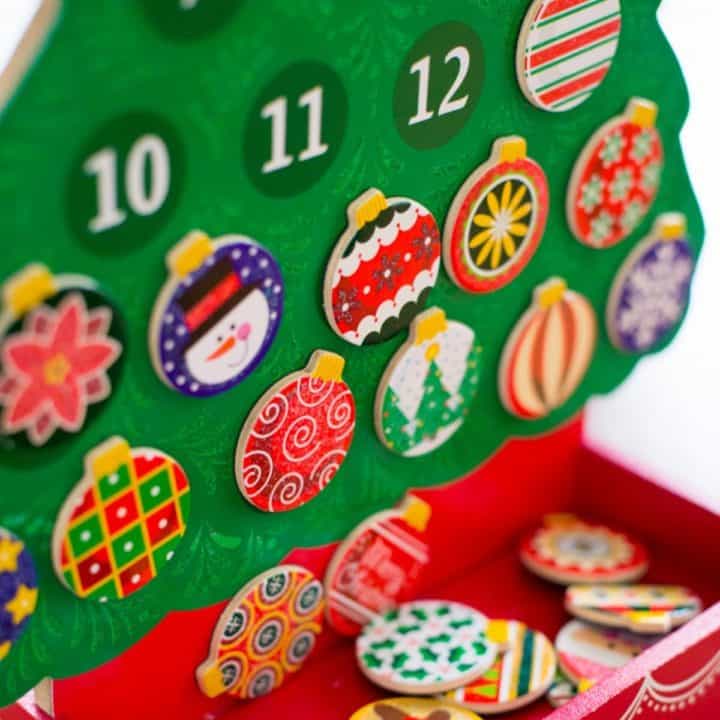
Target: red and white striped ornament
(566,49)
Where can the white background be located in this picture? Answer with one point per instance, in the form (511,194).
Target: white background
(665,420)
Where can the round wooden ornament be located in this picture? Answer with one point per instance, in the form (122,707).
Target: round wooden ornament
(61,342)
(588,654)
(651,290)
(568,550)
(121,524)
(217,315)
(412,709)
(566,50)
(18,590)
(296,437)
(522,673)
(266,633)
(548,352)
(426,647)
(497,219)
(382,269)
(378,566)
(429,385)
(644,609)
(616,177)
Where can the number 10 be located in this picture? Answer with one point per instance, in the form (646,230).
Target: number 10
(277,112)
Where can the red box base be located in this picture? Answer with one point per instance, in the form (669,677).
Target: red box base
(473,536)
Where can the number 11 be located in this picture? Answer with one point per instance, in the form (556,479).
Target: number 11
(277,112)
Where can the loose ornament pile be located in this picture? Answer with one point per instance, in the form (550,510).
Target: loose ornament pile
(120,525)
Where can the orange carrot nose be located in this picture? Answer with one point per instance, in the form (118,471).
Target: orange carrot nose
(228,345)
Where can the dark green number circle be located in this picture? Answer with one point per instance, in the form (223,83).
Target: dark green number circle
(295,129)
(125,182)
(438,85)
(186,20)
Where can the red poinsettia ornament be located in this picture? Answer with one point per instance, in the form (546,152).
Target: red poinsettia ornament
(55,365)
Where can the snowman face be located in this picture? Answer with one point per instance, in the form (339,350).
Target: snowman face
(232,343)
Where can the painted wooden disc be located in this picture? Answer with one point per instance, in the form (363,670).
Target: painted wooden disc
(217,315)
(296,437)
(122,522)
(589,654)
(61,346)
(265,634)
(429,385)
(616,178)
(522,673)
(497,219)
(566,50)
(651,291)
(647,609)
(568,550)
(378,566)
(18,590)
(426,647)
(383,268)
(548,352)
(412,709)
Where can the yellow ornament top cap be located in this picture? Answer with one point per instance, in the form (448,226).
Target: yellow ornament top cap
(108,457)
(428,324)
(550,293)
(28,288)
(189,254)
(642,112)
(671,226)
(510,149)
(416,513)
(326,366)
(367,207)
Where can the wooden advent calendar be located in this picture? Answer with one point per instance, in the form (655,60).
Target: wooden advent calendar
(442,221)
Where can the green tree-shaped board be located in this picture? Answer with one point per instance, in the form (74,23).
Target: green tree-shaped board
(111,72)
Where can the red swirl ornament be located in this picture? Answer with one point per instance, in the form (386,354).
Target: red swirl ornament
(296,437)
(497,219)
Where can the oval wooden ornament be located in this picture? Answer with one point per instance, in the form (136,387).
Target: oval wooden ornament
(61,348)
(412,709)
(616,178)
(377,566)
(644,609)
(121,524)
(523,672)
(651,291)
(217,315)
(440,646)
(296,437)
(569,550)
(548,353)
(265,634)
(18,590)
(588,654)
(566,50)
(497,219)
(429,385)
(382,269)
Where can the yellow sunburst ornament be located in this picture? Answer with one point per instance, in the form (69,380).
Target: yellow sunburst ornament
(502,229)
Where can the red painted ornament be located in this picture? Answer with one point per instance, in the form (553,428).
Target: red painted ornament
(616,178)
(378,566)
(296,437)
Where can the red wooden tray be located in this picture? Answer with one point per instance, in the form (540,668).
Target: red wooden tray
(476,524)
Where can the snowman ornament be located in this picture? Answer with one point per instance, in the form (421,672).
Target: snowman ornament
(217,315)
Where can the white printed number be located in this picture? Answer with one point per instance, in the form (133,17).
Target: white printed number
(450,103)
(277,112)
(148,152)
